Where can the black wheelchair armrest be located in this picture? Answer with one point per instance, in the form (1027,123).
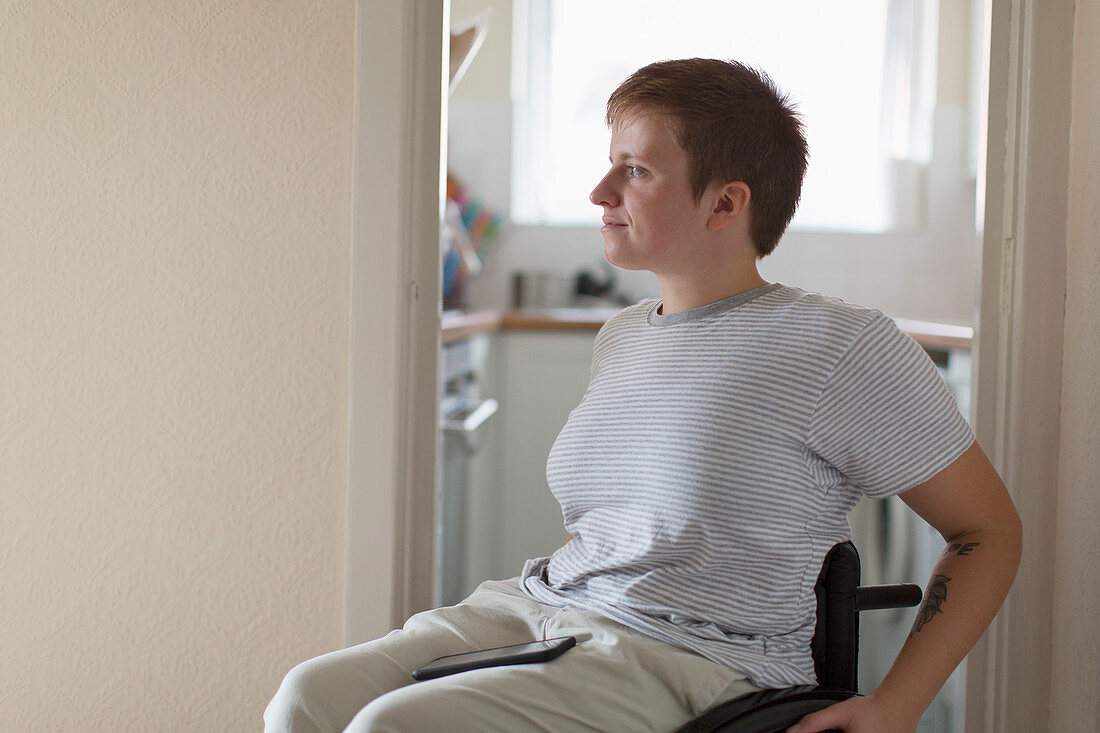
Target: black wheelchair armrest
(767,711)
(898,595)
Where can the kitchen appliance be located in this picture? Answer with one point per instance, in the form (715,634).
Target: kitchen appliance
(465,416)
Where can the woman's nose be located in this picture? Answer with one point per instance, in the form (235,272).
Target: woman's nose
(603,194)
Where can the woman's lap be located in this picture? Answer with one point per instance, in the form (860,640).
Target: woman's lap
(614,679)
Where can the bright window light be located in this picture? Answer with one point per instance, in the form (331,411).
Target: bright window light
(831,58)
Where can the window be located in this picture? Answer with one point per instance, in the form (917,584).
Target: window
(860,72)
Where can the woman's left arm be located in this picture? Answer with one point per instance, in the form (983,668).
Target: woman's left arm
(969,506)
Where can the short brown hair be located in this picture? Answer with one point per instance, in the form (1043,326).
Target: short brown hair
(734,124)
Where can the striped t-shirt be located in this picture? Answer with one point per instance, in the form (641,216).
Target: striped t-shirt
(714,458)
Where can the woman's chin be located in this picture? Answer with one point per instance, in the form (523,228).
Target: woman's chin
(615,256)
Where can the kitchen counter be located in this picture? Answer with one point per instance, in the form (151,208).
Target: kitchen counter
(457,325)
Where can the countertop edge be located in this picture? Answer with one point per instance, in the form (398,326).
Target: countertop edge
(457,325)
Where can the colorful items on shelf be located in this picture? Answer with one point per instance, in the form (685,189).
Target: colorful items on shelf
(469,232)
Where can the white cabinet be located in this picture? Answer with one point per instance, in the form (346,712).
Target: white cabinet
(538,377)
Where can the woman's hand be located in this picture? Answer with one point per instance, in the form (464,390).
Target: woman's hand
(857,715)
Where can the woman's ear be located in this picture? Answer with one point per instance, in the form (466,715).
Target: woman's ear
(731,201)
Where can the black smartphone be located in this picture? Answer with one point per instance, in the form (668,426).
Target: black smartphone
(535,651)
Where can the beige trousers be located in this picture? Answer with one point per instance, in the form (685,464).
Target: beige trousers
(615,679)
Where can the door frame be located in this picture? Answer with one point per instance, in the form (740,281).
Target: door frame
(401,48)
(1018,369)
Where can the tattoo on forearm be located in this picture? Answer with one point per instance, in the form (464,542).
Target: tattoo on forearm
(961,548)
(937,588)
(933,602)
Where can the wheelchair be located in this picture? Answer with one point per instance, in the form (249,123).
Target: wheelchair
(835,647)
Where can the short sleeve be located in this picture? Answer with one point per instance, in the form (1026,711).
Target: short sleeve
(885,418)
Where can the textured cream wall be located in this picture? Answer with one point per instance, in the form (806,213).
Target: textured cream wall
(175,208)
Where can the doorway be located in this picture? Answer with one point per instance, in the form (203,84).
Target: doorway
(1019,339)
(915,258)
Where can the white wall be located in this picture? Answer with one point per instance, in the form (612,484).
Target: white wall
(175,213)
